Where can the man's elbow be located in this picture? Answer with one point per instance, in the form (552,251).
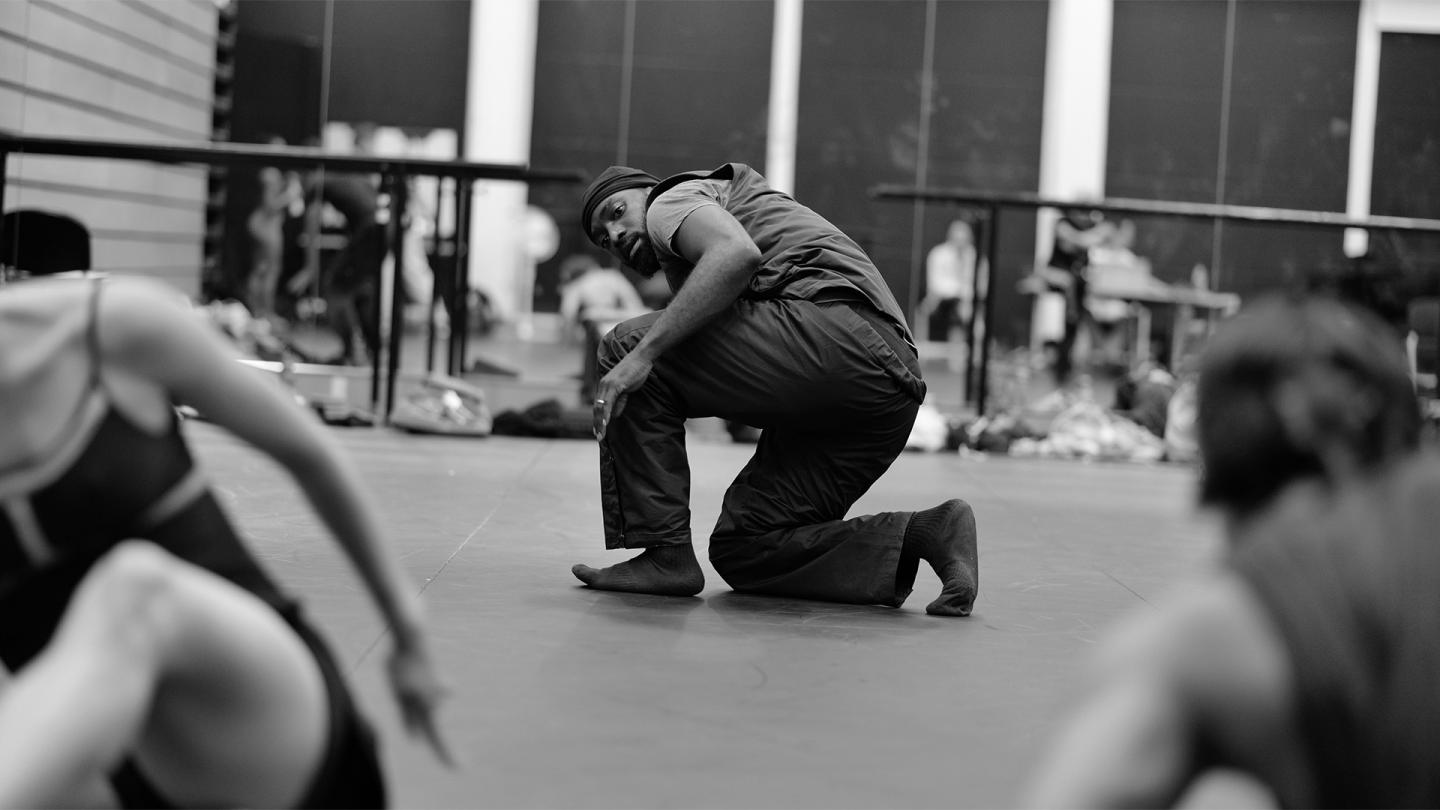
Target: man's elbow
(743,260)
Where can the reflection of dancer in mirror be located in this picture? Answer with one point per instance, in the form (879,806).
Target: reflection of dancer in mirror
(266,226)
(349,283)
(1310,659)
(1077,233)
(156,661)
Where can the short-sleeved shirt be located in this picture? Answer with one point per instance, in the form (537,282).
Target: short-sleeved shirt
(802,255)
(950,271)
(1351,580)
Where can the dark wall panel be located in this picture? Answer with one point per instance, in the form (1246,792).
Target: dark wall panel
(392,62)
(699,96)
(1286,145)
(1406,172)
(400,62)
(576,123)
(989,88)
(862,78)
(860,84)
(1166,95)
(1406,178)
(1289,144)
(701,87)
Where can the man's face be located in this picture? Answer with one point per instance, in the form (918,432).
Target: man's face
(618,227)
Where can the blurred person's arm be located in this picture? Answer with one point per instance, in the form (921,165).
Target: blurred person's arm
(1199,682)
(149,335)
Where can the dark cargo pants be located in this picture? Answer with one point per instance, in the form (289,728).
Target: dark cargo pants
(835,401)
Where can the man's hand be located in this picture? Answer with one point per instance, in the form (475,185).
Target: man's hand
(614,388)
(418,689)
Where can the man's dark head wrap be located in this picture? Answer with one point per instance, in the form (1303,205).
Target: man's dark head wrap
(613,179)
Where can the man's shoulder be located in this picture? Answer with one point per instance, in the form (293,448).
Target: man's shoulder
(724,173)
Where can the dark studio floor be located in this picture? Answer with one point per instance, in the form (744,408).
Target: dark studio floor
(567,697)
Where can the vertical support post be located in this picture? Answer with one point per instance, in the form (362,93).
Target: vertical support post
(434,282)
(992,257)
(460,318)
(377,361)
(785,48)
(4,167)
(399,206)
(430,330)
(979,292)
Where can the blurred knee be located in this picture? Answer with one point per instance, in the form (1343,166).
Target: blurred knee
(131,595)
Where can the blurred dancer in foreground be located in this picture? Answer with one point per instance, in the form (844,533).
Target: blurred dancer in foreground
(155,662)
(1309,659)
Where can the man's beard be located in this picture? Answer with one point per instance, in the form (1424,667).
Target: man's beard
(646,263)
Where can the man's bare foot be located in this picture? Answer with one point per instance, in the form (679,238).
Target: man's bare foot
(664,570)
(944,537)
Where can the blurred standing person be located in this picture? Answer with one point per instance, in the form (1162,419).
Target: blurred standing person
(279,190)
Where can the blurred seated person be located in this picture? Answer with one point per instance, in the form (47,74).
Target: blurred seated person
(1143,396)
(592,300)
(595,296)
(950,283)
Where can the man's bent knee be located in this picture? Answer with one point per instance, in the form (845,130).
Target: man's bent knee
(733,559)
(618,342)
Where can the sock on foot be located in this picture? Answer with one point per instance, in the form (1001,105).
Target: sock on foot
(664,570)
(944,536)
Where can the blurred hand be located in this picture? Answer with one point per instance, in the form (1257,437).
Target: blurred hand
(614,388)
(418,689)
(300,283)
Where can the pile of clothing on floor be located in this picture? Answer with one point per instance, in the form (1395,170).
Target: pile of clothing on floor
(1152,418)
(260,338)
(437,404)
